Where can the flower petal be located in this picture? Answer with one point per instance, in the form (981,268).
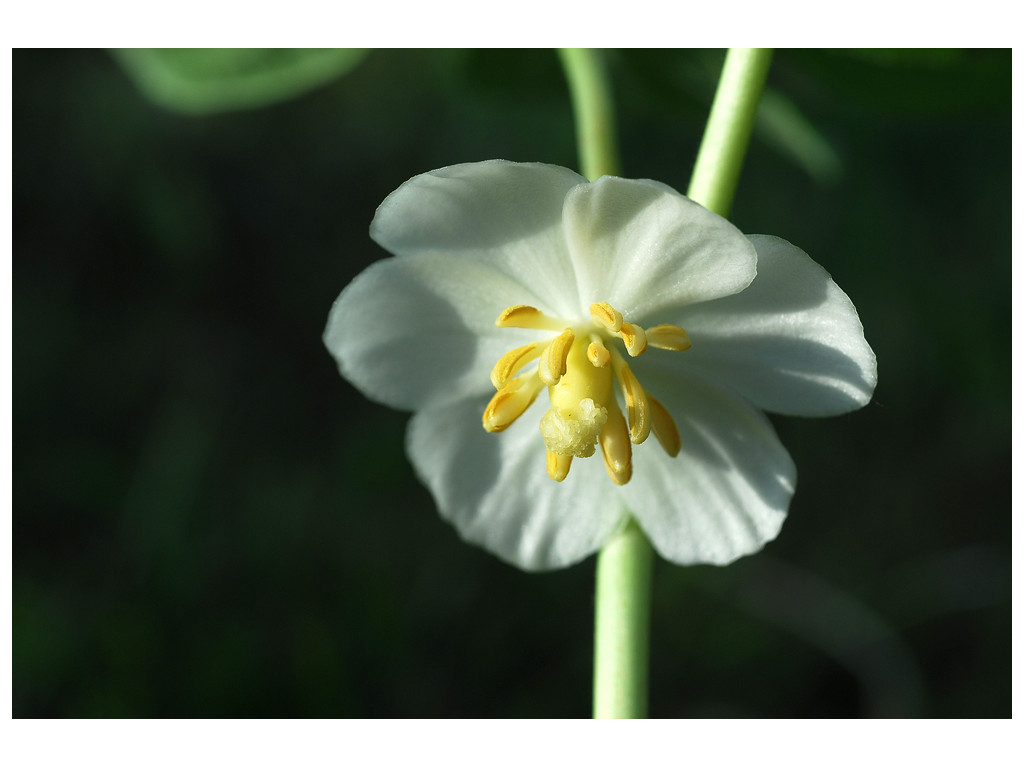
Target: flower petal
(791,343)
(726,494)
(496,491)
(508,213)
(640,246)
(412,331)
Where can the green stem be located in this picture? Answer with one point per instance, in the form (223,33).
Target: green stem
(622,610)
(622,625)
(624,565)
(717,170)
(592,104)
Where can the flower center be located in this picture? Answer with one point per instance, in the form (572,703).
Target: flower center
(578,367)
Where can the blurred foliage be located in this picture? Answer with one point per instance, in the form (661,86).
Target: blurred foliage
(209,521)
(205,80)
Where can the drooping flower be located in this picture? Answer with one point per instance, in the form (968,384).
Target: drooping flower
(640,313)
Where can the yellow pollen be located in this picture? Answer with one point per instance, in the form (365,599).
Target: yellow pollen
(616,447)
(634,338)
(637,407)
(523,316)
(607,316)
(558,466)
(580,371)
(509,402)
(552,361)
(667,336)
(664,428)
(510,363)
(597,353)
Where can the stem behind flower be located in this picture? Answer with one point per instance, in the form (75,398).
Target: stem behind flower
(727,135)
(595,115)
(624,565)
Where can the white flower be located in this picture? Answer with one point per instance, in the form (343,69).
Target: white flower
(592,285)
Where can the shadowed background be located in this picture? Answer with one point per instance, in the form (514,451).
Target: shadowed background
(209,521)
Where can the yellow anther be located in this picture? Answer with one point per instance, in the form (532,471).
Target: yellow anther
(637,408)
(510,363)
(606,315)
(552,361)
(523,316)
(615,446)
(634,338)
(667,336)
(580,369)
(664,428)
(597,353)
(558,466)
(510,401)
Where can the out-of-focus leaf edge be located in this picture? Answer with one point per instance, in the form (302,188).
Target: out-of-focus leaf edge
(170,86)
(781,124)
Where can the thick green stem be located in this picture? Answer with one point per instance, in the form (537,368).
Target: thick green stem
(624,565)
(623,598)
(717,170)
(622,625)
(595,116)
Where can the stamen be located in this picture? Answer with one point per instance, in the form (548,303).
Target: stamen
(637,408)
(615,446)
(578,371)
(523,316)
(666,336)
(634,338)
(558,466)
(664,428)
(510,401)
(606,315)
(597,353)
(552,361)
(509,363)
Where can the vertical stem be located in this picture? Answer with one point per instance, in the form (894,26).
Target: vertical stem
(595,116)
(624,565)
(622,620)
(717,170)
(622,625)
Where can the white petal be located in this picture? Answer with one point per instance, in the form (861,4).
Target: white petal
(790,343)
(509,213)
(415,330)
(495,490)
(640,246)
(726,494)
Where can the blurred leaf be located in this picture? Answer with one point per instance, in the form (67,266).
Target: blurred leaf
(830,619)
(209,80)
(781,124)
(909,57)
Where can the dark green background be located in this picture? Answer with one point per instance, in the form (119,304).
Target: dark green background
(209,521)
